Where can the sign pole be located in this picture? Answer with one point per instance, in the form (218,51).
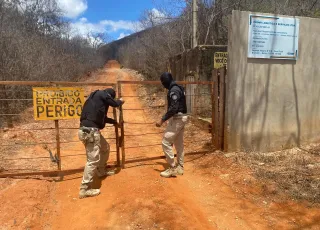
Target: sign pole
(56,123)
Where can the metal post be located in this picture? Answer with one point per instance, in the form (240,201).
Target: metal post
(215,124)
(212,113)
(194,23)
(56,123)
(121,121)
(117,136)
(222,106)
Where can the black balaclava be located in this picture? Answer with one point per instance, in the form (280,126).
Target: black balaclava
(111,92)
(166,79)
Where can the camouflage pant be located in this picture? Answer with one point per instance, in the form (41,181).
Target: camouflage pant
(173,135)
(97,150)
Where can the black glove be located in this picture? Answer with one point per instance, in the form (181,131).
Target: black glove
(111,121)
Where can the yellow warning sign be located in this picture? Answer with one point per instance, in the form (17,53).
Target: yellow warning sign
(57,103)
(220,59)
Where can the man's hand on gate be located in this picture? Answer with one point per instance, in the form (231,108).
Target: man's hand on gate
(159,124)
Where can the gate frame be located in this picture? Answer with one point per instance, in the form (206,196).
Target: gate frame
(218,92)
(59,171)
(121,122)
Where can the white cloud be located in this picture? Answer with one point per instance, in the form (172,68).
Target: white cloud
(158,14)
(83,27)
(113,26)
(122,35)
(154,17)
(72,8)
(158,17)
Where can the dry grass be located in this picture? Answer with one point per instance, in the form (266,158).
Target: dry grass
(295,172)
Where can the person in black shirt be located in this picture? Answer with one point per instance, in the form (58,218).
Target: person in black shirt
(177,116)
(93,119)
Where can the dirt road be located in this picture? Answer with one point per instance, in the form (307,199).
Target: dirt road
(214,193)
(135,197)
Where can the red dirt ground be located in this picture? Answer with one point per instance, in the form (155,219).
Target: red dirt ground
(113,64)
(214,193)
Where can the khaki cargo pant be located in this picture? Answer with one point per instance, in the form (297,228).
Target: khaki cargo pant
(97,150)
(174,136)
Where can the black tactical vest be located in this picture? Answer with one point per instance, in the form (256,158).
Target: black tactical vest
(182,101)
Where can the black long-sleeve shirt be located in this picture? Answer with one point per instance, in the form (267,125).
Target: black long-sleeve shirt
(176,101)
(95,109)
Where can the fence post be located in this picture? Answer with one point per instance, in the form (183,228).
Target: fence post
(215,125)
(123,153)
(212,112)
(56,123)
(117,136)
(225,127)
(221,106)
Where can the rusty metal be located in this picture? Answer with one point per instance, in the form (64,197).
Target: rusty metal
(116,130)
(215,127)
(152,145)
(56,123)
(218,100)
(121,83)
(212,113)
(121,121)
(221,107)
(143,146)
(141,134)
(134,109)
(120,139)
(223,104)
(42,173)
(15,99)
(11,114)
(200,94)
(26,97)
(29,144)
(48,128)
(139,123)
(55,83)
(159,83)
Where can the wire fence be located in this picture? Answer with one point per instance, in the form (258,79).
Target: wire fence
(33,147)
(151,99)
(30,145)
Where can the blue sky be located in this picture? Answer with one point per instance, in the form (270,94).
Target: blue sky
(117,18)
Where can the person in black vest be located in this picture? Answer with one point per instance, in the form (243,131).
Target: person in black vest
(93,119)
(177,116)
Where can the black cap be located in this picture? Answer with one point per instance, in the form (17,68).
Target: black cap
(166,79)
(111,92)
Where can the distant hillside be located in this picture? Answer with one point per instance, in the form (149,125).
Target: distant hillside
(110,51)
(148,51)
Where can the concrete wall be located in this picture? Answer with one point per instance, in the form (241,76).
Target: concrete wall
(272,104)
